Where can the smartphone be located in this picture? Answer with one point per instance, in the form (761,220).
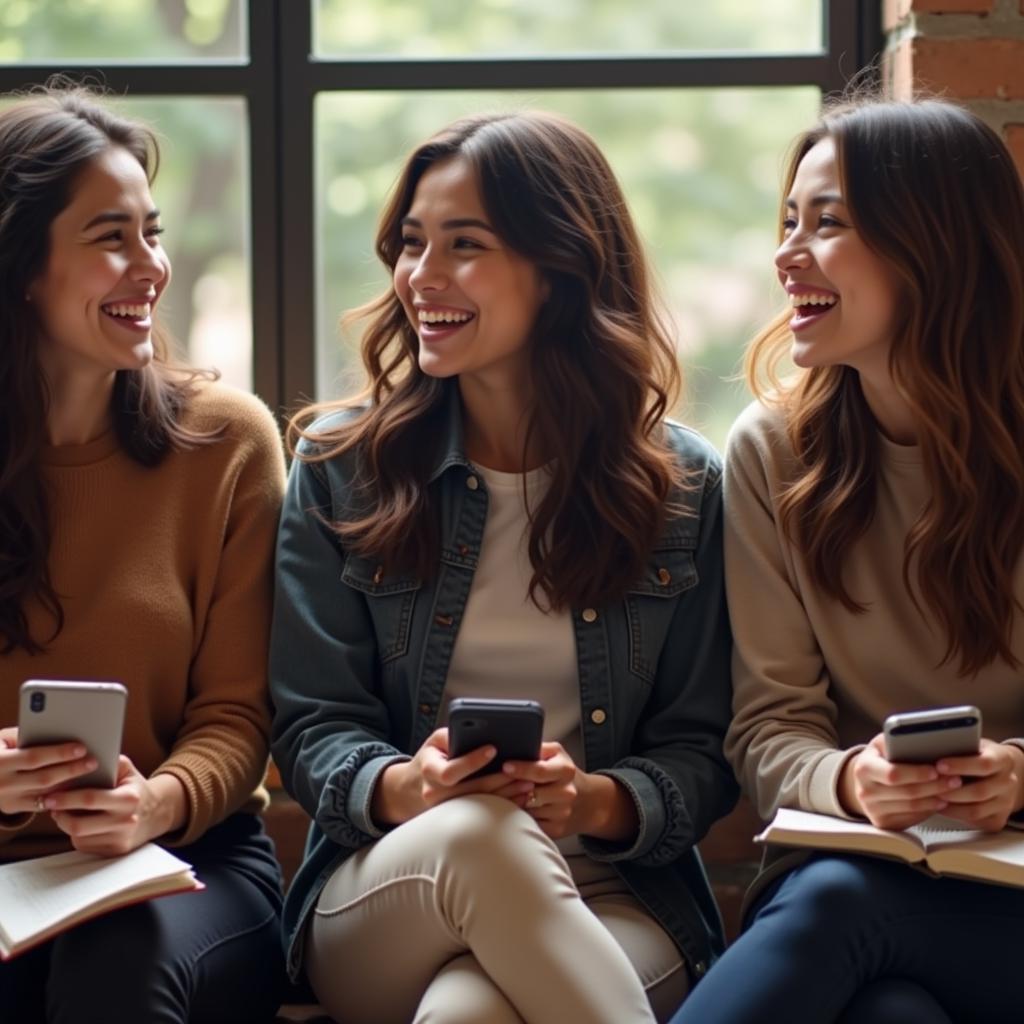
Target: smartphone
(514,727)
(63,711)
(923,737)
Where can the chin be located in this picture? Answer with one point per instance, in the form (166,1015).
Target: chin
(434,367)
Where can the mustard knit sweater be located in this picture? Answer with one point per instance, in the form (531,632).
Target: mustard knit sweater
(165,578)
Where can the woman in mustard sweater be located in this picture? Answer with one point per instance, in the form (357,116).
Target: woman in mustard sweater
(874,533)
(138,503)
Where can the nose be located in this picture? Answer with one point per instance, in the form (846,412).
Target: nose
(792,253)
(149,263)
(429,273)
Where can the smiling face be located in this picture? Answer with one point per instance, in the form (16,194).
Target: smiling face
(844,296)
(105,272)
(470,298)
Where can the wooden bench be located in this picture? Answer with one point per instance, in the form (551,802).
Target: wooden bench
(728,850)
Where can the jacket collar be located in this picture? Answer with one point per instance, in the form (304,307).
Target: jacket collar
(450,447)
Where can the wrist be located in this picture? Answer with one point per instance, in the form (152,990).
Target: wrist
(1018,769)
(387,803)
(846,790)
(170,804)
(610,812)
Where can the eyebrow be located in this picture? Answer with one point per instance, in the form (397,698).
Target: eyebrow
(454,224)
(821,200)
(116,217)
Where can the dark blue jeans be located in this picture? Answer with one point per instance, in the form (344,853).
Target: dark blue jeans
(859,940)
(212,957)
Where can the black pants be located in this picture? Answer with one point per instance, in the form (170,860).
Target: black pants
(211,957)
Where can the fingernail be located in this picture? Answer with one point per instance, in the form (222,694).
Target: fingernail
(508,769)
(80,752)
(953,782)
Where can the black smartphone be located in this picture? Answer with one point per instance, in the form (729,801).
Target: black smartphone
(514,727)
(63,711)
(923,737)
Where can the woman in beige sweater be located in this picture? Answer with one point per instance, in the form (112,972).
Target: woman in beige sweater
(874,526)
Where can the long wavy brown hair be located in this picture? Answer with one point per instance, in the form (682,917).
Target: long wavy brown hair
(46,139)
(934,193)
(603,366)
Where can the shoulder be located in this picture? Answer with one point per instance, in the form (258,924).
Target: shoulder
(759,433)
(694,453)
(323,434)
(246,425)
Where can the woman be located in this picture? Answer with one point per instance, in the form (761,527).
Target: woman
(504,513)
(139,502)
(874,525)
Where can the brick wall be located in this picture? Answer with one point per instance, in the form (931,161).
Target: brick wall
(969,50)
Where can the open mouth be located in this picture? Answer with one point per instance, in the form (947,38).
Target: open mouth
(130,314)
(434,324)
(810,307)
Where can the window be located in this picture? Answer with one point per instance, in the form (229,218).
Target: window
(285,121)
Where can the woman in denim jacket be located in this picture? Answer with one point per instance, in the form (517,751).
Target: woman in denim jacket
(504,513)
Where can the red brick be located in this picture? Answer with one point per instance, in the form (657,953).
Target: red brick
(971,68)
(1015,140)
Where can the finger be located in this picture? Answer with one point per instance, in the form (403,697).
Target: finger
(115,801)
(978,765)
(918,809)
(990,815)
(940,788)
(993,787)
(33,759)
(510,790)
(541,772)
(43,780)
(81,824)
(444,772)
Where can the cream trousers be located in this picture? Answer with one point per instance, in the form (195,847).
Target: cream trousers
(469,914)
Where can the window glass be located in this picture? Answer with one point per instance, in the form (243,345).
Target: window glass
(163,31)
(701,169)
(439,28)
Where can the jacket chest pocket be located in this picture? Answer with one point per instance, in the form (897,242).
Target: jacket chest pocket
(651,603)
(390,599)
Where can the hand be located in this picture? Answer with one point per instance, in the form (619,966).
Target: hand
(991,789)
(567,801)
(27,775)
(110,822)
(891,795)
(411,787)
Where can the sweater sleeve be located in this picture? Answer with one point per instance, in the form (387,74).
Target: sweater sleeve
(220,752)
(782,741)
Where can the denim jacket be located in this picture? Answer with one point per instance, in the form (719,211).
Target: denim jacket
(359,660)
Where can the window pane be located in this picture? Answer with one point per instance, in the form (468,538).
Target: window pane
(162,31)
(701,169)
(439,28)
(203,194)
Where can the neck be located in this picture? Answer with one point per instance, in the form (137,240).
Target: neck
(889,408)
(79,409)
(494,428)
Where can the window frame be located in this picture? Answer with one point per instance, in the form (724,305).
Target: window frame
(280,79)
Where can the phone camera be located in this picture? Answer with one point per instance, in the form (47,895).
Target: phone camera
(37,701)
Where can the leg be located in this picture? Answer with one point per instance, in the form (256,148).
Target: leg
(894,1001)
(462,993)
(837,924)
(473,875)
(212,957)
(651,951)
(23,986)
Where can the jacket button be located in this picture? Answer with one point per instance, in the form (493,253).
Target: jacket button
(700,968)
(664,577)
(472,483)
(598,716)
(463,550)
(589,615)
(444,620)
(426,709)
(378,574)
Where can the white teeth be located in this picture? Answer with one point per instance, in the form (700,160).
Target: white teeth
(136,310)
(446,317)
(812,299)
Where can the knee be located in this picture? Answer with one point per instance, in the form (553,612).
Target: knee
(486,835)
(826,891)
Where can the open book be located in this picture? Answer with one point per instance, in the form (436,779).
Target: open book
(940,845)
(43,896)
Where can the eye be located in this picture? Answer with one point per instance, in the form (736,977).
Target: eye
(467,243)
(827,221)
(110,236)
(411,242)
(154,232)
(789,224)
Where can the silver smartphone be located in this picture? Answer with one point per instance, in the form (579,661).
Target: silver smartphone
(923,737)
(63,711)
(514,727)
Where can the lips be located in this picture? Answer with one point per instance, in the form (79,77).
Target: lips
(810,305)
(438,322)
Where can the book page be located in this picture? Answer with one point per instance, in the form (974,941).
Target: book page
(938,830)
(39,893)
(823,832)
(993,857)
